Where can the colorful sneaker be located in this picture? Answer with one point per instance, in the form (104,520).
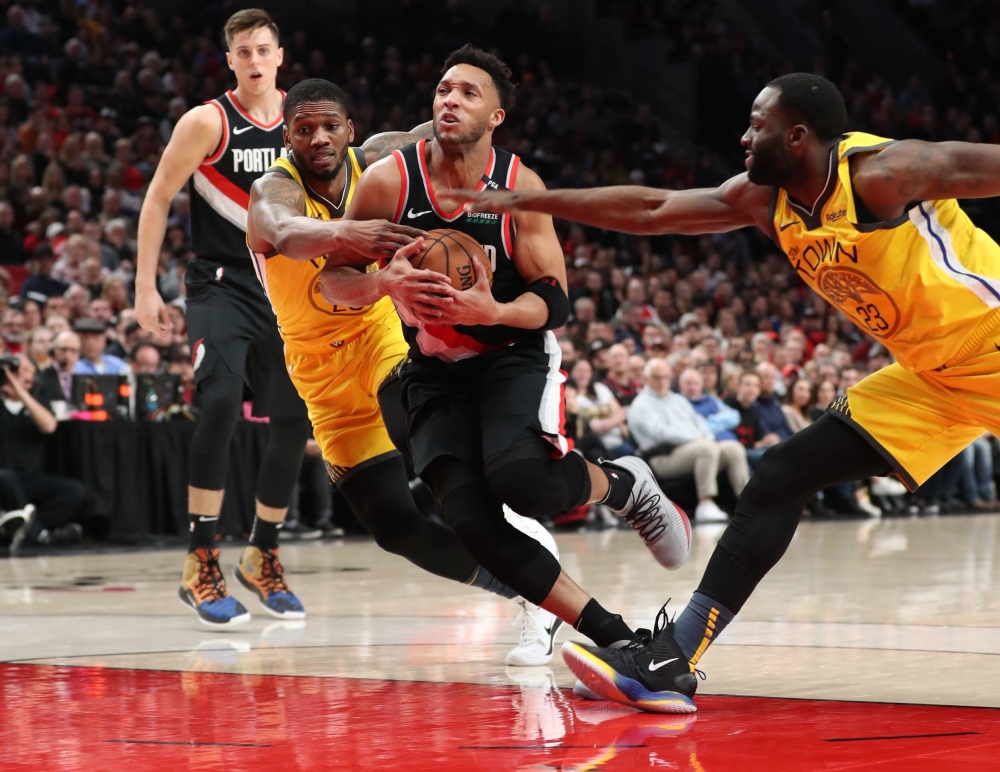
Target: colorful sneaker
(651,673)
(260,572)
(203,588)
(661,523)
(538,636)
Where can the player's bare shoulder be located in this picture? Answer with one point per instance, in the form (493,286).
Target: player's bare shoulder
(748,197)
(376,192)
(199,128)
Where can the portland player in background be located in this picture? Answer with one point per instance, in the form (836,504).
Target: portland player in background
(224,145)
(873,225)
(482,383)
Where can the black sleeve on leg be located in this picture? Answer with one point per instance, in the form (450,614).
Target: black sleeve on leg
(826,453)
(282,461)
(381,499)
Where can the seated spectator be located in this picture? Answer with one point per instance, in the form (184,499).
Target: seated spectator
(603,299)
(798,404)
(40,284)
(56,501)
(93,340)
(619,378)
(38,347)
(54,305)
(569,353)
(100,308)
(57,378)
(750,430)
(57,323)
(721,418)
(77,302)
(677,441)
(826,393)
(11,247)
(12,330)
(636,370)
(145,359)
(772,417)
(597,404)
(32,314)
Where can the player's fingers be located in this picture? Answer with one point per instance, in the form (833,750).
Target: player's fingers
(406,230)
(411,248)
(481,277)
(433,277)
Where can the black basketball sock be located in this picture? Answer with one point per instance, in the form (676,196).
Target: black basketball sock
(264,535)
(203,528)
(620,484)
(601,626)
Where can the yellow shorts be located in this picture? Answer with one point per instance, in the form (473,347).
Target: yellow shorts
(920,421)
(340,390)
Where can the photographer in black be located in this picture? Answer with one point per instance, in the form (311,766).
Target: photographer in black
(57,501)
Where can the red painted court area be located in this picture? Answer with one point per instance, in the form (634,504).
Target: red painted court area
(99,719)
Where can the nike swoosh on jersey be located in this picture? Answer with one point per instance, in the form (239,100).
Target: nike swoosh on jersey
(658,665)
(788,225)
(237,132)
(414,215)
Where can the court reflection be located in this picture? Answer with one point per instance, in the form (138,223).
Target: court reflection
(85,719)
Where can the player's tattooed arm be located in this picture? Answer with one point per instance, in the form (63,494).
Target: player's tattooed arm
(381,145)
(635,209)
(913,170)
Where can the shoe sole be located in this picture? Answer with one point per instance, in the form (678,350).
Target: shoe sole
(236,621)
(260,598)
(514,661)
(606,682)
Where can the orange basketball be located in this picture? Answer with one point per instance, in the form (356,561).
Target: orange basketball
(451,252)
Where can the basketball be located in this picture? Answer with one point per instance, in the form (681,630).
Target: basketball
(451,252)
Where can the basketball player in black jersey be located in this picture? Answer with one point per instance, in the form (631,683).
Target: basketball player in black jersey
(224,145)
(482,386)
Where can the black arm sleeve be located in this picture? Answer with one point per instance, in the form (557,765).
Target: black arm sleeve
(549,290)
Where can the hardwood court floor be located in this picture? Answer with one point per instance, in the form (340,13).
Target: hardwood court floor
(396,669)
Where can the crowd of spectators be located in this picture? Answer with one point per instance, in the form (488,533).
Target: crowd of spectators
(698,353)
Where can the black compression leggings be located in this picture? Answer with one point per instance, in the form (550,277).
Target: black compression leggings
(827,453)
(381,500)
(221,403)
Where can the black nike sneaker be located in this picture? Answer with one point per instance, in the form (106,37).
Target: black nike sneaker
(651,673)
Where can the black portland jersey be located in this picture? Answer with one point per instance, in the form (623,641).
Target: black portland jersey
(220,193)
(418,206)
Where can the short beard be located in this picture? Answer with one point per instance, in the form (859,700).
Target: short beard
(772,166)
(470,137)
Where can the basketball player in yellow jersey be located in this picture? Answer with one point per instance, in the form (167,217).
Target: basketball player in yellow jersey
(872,225)
(340,358)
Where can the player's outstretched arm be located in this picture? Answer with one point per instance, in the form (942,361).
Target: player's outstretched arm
(194,138)
(913,170)
(278,219)
(634,209)
(379,146)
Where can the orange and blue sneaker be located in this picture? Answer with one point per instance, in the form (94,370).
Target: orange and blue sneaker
(260,572)
(203,588)
(651,673)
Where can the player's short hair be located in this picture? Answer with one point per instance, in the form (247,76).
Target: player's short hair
(814,101)
(498,71)
(249,19)
(314,90)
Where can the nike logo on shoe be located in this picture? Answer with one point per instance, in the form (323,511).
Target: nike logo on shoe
(237,132)
(657,665)
(414,215)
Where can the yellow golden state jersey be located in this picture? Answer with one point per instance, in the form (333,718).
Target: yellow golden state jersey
(307,322)
(926,285)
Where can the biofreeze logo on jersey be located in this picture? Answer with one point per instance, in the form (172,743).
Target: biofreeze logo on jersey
(256,159)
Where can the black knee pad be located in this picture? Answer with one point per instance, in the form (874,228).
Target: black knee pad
(282,460)
(221,402)
(513,557)
(542,487)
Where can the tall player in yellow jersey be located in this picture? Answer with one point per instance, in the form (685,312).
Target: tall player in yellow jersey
(872,225)
(340,358)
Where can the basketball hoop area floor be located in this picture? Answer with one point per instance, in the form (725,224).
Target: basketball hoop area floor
(872,646)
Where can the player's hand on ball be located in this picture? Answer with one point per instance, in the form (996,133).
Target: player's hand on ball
(414,288)
(475,305)
(497,201)
(376,239)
